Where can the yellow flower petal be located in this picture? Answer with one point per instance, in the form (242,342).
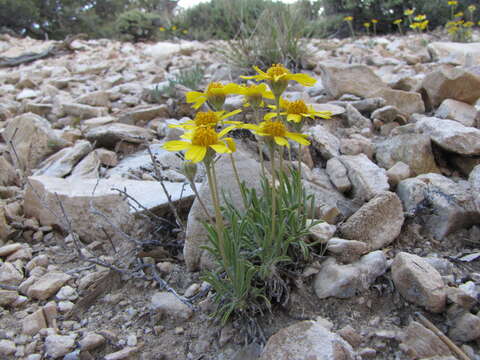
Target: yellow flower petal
(294,117)
(220,148)
(269,116)
(299,138)
(196,153)
(176,145)
(231,144)
(281,141)
(303,79)
(230,114)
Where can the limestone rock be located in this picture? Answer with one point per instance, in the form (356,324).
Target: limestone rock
(7,347)
(419,282)
(249,171)
(345,281)
(441,204)
(325,142)
(466,54)
(33,323)
(419,342)
(5,229)
(8,175)
(9,274)
(378,222)
(388,114)
(451,135)
(338,175)
(62,163)
(465,328)
(406,102)
(34,140)
(95,98)
(415,150)
(357,120)
(84,111)
(168,304)
(398,172)
(57,346)
(144,113)
(7,297)
(306,340)
(367,178)
(110,134)
(77,196)
(454,83)
(322,232)
(474,180)
(465,114)
(91,341)
(47,285)
(340,79)
(357,144)
(347,251)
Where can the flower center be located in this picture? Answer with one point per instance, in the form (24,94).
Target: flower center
(277,70)
(208,118)
(273,128)
(297,107)
(204,136)
(212,87)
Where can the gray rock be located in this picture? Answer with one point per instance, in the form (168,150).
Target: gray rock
(9,274)
(347,251)
(95,98)
(144,113)
(451,135)
(57,346)
(465,328)
(419,342)
(452,83)
(377,223)
(398,172)
(365,105)
(367,178)
(441,204)
(322,232)
(419,282)
(167,304)
(455,53)
(109,135)
(357,144)
(47,285)
(474,179)
(33,323)
(7,347)
(345,281)
(306,340)
(465,114)
(340,79)
(8,175)
(84,111)
(406,102)
(34,140)
(78,195)
(338,175)
(357,120)
(325,142)
(415,150)
(7,297)
(388,114)
(61,163)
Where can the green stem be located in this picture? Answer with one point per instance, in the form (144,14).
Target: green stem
(300,160)
(260,141)
(212,183)
(237,177)
(274,192)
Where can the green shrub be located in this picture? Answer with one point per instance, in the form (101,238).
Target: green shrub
(136,25)
(253,276)
(278,37)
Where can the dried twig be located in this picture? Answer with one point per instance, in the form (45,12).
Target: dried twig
(456,350)
(169,198)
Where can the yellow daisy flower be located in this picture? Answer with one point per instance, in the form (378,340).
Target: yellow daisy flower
(295,111)
(459,14)
(254,94)
(277,131)
(161,28)
(174,28)
(366,24)
(472,8)
(277,77)
(374,21)
(409,12)
(202,140)
(215,95)
(348,18)
(420,17)
(208,118)
(452,3)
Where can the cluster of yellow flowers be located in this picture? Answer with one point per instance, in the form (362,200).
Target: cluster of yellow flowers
(205,135)
(459,28)
(173,29)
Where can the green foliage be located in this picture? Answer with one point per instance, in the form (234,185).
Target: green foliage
(276,38)
(253,275)
(190,78)
(136,25)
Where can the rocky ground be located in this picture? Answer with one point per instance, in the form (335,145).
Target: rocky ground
(91,266)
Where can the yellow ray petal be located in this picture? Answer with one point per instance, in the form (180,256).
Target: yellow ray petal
(196,153)
(281,141)
(303,79)
(294,117)
(220,148)
(299,138)
(176,145)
